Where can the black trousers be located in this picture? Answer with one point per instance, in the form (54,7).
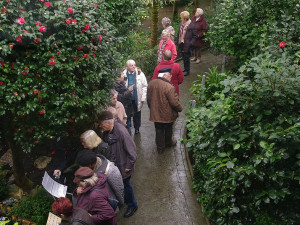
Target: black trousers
(186,58)
(164,133)
(136,118)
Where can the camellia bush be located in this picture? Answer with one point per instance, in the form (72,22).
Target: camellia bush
(237,27)
(57,63)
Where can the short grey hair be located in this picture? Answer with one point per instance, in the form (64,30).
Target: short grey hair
(130,62)
(167,55)
(165,32)
(166,21)
(200,11)
(113,92)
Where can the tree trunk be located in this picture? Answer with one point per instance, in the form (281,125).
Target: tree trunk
(154,36)
(196,4)
(175,9)
(18,168)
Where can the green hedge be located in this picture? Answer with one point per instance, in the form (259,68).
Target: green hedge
(245,137)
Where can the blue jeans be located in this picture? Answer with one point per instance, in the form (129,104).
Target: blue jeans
(128,193)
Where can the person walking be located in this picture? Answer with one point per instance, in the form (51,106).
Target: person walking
(186,38)
(176,71)
(137,79)
(166,44)
(201,28)
(164,106)
(123,150)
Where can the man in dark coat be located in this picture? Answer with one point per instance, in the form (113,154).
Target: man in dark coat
(201,28)
(177,74)
(123,154)
(186,38)
(164,105)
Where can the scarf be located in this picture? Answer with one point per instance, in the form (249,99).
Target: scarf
(183,29)
(163,45)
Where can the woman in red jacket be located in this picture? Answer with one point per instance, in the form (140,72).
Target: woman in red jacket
(166,44)
(201,27)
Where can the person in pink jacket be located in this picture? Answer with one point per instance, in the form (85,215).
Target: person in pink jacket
(166,44)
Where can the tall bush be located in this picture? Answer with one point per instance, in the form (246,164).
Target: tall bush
(245,140)
(56,68)
(237,26)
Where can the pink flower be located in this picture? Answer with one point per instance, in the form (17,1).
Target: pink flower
(95,5)
(11,46)
(25,31)
(19,39)
(52,62)
(70,10)
(79,47)
(26,67)
(75,58)
(35,91)
(94,55)
(85,56)
(70,120)
(3,10)
(24,73)
(1,83)
(21,21)
(74,21)
(2,63)
(58,53)
(16,93)
(48,4)
(68,21)
(37,40)
(282,44)
(38,75)
(41,112)
(42,29)
(40,99)
(38,24)
(87,27)
(99,38)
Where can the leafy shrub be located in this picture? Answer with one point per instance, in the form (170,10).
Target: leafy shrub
(3,186)
(35,207)
(237,26)
(245,140)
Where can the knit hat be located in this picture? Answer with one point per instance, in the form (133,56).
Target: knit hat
(83,173)
(105,115)
(85,158)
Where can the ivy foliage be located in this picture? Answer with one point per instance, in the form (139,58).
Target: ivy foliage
(57,65)
(244,134)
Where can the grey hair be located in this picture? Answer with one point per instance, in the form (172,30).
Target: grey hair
(166,21)
(91,181)
(167,55)
(165,32)
(113,111)
(130,62)
(200,11)
(113,92)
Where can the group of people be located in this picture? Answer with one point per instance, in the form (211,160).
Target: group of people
(105,166)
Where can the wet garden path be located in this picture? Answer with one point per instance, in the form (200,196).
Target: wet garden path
(162,183)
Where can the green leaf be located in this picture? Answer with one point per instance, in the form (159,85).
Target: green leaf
(222,154)
(236,146)
(263,144)
(230,164)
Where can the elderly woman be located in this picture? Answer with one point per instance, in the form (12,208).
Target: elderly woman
(136,78)
(201,28)
(63,207)
(92,196)
(166,23)
(90,140)
(186,38)
(166,44)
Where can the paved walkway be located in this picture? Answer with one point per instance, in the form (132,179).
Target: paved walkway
(162,183)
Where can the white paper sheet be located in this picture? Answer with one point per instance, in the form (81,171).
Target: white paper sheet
(54,188)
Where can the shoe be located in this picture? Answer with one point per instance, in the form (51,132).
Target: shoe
(173,143)
(160,150)
(198,61)
(136,131)
(193,58)
(186,73)
(130,211)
